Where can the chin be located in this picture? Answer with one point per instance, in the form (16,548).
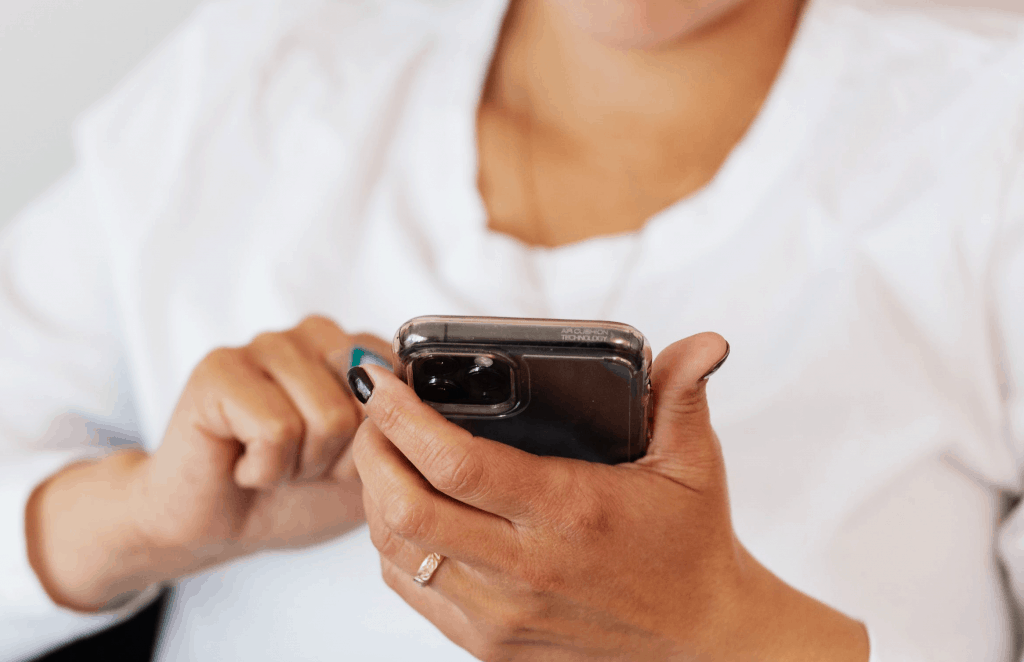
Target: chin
(644,23)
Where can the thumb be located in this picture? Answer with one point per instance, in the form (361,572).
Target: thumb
(684,446)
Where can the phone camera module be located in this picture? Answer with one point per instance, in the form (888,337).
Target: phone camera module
(476,383)
(488,384)
(440,365)
(440,389)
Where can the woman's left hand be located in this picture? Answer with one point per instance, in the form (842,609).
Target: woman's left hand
(557,559)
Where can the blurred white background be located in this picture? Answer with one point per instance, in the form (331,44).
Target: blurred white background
(58,56)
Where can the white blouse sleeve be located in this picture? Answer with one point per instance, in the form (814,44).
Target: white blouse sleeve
(996,239)
(1008,300)
(64,391)
(64,395)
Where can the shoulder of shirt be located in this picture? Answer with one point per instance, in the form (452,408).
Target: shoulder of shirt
(237,64)
(946,83)
(935,39)
(229,36)
(225,42)
(932,23)
(954,71)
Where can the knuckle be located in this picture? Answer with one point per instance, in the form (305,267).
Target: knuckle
(281,430)
(386,541)
(686,402)
(221,355)
(389,416)
(216,362)
(258,476)
(584,514)
(506,623)
(587,519)
(407,516)
(274,343)
(317,324)
(457,473)
(490,650)
(338,421)
(542,579)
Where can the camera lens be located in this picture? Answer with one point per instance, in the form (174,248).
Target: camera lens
(439,365)
(489,384)
(440,389)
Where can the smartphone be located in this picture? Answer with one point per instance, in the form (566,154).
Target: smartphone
(567,388)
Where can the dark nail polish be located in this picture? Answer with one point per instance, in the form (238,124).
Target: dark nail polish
(362,356)
(360,383)
(718,365)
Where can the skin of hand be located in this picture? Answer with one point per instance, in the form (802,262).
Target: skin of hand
(557,559)
(257,455)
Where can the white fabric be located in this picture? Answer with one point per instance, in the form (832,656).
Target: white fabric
(862,249)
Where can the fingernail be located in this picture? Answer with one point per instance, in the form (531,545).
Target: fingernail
(362,356)
(360,383)
(718,365)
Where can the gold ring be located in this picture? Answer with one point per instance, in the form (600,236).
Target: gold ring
(427,568)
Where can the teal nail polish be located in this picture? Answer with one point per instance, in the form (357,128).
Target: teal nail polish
(363,356)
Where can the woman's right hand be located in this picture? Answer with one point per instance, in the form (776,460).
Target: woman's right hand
(256,456)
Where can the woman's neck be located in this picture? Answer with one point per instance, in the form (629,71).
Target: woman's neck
(549,70)
(578,138)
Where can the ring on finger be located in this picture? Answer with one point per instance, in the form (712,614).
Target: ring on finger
(427,568)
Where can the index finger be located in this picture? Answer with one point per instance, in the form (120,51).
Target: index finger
(341,350)
(485,474)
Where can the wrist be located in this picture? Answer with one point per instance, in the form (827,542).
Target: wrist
(772,620)
(81,539)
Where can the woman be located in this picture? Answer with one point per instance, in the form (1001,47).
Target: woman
(836,189)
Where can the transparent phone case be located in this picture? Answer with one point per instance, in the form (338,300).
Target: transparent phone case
(567,388)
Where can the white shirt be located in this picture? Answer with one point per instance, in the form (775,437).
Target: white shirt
(862,249)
